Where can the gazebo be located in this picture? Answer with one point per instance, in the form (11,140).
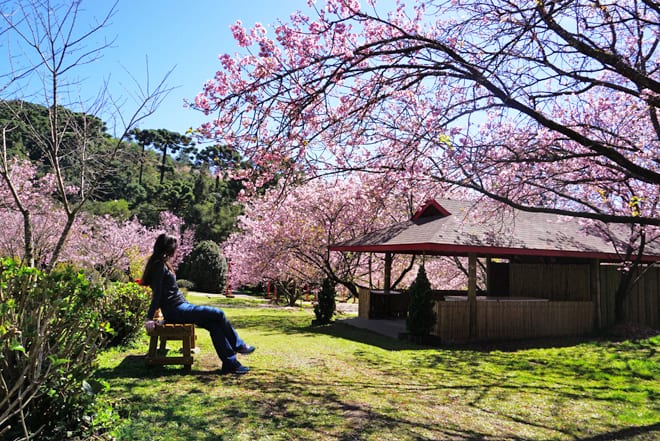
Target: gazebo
(546,275)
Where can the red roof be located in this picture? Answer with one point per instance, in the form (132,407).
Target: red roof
(457,228)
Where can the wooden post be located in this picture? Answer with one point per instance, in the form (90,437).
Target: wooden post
(228,291)
(365,303)
(388,273)
(472,295)
(595,294)
(489,283)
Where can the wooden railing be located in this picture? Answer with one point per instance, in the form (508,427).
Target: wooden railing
(513,319)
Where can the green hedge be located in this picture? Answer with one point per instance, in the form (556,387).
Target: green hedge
(205,267)
(124,307)
(52,327)
(51,331)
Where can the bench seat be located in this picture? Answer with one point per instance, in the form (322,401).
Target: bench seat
(157,356)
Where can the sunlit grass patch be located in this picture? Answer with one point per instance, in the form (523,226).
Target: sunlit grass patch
(337,382)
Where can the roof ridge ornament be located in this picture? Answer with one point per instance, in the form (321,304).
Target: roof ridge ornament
(431,208)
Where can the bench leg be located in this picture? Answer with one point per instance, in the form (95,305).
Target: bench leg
(153,344)
(187,353)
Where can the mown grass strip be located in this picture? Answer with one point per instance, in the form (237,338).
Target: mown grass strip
(340,383)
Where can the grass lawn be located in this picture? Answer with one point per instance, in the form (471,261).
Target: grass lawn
(336,382)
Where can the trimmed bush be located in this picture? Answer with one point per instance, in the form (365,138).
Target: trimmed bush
(325,307)
(205,267)
(50,334)
(185,284)
(421,317)
(124,307)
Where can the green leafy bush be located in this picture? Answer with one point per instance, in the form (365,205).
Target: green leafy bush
(325,307)
(185,284)
(124,308)
(421,317)
(50,334)
(205,267)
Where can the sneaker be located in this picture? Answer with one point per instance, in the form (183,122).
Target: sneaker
(245,349)
(239,370)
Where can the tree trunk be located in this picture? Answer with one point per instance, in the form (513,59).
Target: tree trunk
(60,242)
(162,166)
(28,257)
(141,164)
(622,292)
(351,287)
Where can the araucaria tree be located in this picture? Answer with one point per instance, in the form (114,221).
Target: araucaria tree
(548,106)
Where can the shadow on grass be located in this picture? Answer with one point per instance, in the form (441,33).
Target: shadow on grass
(362,419)
(360,335)
(365,336)
(626,433)
(132,366)
(519,345)
(283,406)
(279,401)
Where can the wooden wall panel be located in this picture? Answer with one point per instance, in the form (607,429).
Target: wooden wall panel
(514,320)
(642,306)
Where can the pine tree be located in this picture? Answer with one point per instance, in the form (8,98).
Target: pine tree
(325,308)
(421,317)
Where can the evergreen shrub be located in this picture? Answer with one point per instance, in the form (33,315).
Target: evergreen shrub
(205,267)
(185,284)
(421,317)
(325,307)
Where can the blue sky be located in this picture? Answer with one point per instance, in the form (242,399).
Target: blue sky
(187,36)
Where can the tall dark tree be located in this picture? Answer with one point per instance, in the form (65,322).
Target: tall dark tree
(162,140)
(168,141)
(219,159)
(144,138)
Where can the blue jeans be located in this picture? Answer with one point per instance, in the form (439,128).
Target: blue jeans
(224,336)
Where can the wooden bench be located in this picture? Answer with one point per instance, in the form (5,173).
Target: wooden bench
(157,356)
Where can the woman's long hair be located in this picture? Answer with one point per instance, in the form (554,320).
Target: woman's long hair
(164,248)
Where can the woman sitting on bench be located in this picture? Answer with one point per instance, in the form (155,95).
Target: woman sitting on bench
(159,275)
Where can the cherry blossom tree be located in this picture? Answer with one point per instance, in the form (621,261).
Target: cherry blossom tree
(27,209)
(101,244)
(545,106)
(285,233)
(112,247)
